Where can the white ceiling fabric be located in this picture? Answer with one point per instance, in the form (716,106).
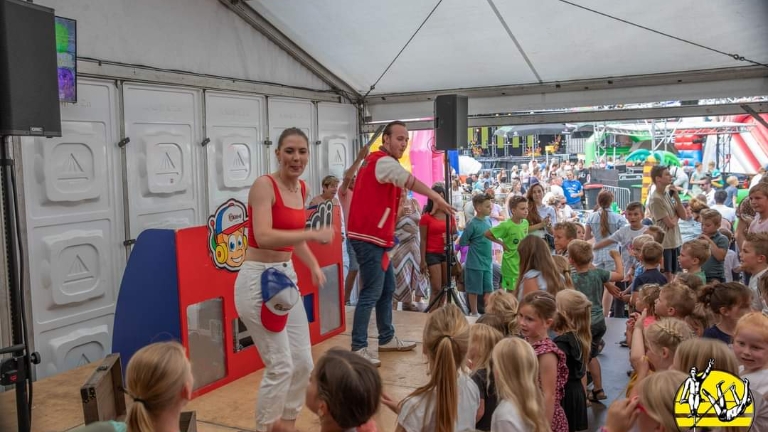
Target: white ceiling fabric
(464,44)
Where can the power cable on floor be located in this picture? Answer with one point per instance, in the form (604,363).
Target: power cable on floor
(733,56)
(373,86)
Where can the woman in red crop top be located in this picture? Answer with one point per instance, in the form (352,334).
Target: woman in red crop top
(266,296)
(433,240)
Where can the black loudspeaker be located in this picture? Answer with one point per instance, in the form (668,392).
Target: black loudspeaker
(29,87)
(451,122)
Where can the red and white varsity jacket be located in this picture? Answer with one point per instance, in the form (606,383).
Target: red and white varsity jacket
(373,212)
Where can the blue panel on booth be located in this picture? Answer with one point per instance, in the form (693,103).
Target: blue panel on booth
(309,305)
(148,303)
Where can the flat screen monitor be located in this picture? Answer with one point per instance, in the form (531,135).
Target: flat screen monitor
(66,52)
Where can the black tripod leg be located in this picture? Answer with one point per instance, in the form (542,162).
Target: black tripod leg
(459,302)
(435,301)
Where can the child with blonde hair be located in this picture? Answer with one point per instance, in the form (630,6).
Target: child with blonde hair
(590,282)
(714,267)
(521,402)
(435,405)
(750,344)
(729,302)
(656,396)
(693,255)
(482,339)
(574,338)
(690,280)
(159,380)
(675,301)
(504,304)
(653,348)
(564,268)
(700,319)
(537,314)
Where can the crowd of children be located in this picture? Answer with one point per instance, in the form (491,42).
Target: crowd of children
(622,270)
(526,363)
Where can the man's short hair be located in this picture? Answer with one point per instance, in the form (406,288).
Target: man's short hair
(657,171)
(720,197)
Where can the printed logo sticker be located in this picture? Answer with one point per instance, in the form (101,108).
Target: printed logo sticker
(713,399)
(227,237)
(322,216)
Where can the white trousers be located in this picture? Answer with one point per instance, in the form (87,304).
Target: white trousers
(287,355)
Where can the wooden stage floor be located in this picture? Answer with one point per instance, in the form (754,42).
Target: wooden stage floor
(57,405)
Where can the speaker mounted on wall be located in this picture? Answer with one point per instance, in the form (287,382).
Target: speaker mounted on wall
(451,122)
(29,89)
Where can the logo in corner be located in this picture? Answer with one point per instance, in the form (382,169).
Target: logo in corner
(713,398)
(227,236)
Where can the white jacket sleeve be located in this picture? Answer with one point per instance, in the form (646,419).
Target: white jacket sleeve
(389,170)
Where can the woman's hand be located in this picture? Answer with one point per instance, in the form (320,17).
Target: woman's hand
(621,415)
(323,235)
(318,277)
(390,403)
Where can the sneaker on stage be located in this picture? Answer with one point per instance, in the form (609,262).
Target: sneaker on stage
(364,353)
(397,345)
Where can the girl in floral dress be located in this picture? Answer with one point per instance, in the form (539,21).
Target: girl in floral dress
(535,316)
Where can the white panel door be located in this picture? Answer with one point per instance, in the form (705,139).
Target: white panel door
(287,113)
(337,132)
(75,231)
(163,158)
(235,154)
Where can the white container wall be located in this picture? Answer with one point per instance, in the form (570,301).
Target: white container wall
(236,155)
(74,214)
(164,157)
(73,190)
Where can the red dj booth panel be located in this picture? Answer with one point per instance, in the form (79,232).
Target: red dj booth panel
(218,345)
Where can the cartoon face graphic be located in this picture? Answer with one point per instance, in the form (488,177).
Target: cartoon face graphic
(228,239)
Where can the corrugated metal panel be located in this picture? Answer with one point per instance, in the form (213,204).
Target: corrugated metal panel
(575,145)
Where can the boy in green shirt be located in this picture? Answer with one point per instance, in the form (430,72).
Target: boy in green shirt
(509,234)
(478,269)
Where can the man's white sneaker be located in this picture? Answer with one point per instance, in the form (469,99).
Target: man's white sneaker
(397,345)
(364,353)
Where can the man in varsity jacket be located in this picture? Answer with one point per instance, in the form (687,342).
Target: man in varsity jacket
(371,230)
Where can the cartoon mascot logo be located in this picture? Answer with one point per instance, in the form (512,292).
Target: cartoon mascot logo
(322,217)
(227,237)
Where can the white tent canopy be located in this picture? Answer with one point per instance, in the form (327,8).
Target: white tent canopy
(527,48)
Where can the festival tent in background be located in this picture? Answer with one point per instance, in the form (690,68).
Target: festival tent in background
(420,159)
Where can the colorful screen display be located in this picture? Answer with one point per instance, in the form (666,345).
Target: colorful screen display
(66,52)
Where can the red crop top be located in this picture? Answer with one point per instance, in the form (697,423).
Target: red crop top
(283,218)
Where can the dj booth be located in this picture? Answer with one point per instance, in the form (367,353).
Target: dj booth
(179,285)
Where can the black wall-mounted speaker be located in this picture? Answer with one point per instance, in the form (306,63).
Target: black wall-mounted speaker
(451,122)
(29,88)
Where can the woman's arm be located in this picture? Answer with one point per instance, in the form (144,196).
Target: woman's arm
(548,378)
(587,232)
(261,199)
(529,286)
(308,258)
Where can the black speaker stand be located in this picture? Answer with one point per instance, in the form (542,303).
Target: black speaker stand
(15,370)
(449,288)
